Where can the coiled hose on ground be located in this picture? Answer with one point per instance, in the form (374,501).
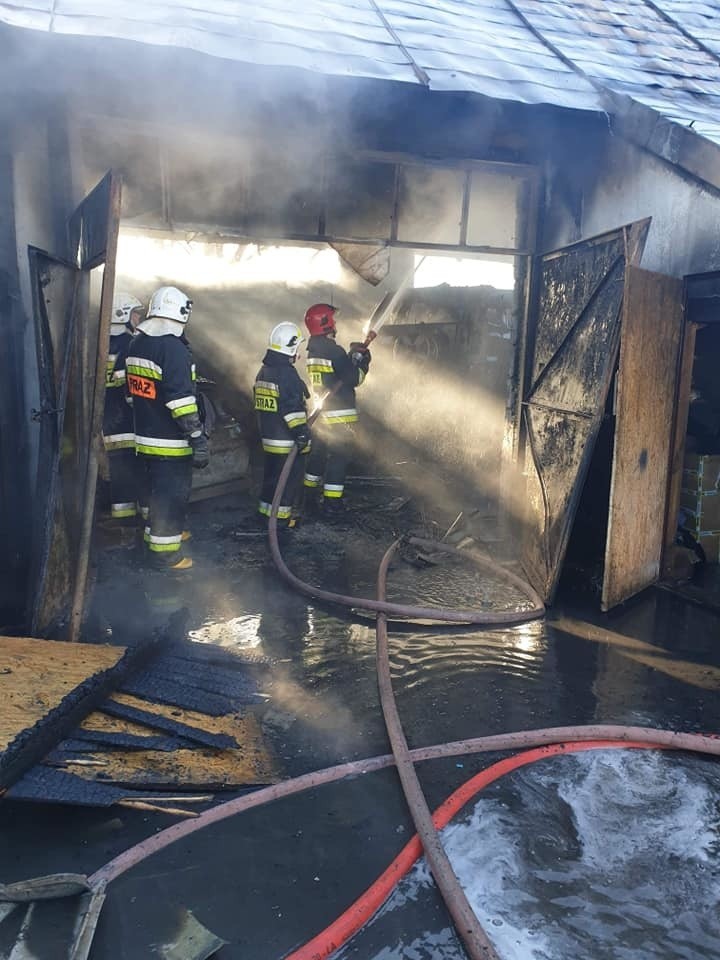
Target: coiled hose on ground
(403,611)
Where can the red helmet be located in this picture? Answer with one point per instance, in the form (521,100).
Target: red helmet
(320,318)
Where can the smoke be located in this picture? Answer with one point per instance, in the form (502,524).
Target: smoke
(434,408)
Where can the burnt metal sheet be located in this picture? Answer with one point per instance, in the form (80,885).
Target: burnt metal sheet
(71,358)
(565,300)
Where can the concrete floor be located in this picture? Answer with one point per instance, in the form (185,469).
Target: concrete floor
(270,879)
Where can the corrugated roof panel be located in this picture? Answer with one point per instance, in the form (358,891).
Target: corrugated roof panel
(490,44)
(28,17)
(502,90)
(562,52)
(700,19)
(686,86)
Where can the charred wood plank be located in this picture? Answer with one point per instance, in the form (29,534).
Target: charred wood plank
(34,742)
(195,652)
(237,684)
(159,690)
(218,741)
(83,741)
(47,785)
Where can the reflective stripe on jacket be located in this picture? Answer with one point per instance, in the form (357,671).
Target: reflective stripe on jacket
(161,382)
(118,433)
(329,365)
(280,399)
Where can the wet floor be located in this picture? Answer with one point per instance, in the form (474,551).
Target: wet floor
(611,854)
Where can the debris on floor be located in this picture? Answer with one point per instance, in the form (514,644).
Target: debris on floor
(83,905)
(177,723)
(193,941)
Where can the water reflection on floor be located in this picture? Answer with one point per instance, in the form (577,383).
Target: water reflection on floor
(594,856)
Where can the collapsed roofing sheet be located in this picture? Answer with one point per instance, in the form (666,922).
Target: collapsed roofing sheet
(561,52)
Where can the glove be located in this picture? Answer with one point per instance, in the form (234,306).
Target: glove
(302,439)
(360,355)
(200,451)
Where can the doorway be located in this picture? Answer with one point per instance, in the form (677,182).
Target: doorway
(693,563)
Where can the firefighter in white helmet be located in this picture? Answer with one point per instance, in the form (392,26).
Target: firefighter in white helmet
(118,431)
(169,437)
(280,402)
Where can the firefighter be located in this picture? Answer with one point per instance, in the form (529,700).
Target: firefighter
(280,397)
(118,431)
(334,374)
(169,438)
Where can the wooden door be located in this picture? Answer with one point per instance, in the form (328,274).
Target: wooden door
(72,337)
(54,286)
(573,357)
(651,334)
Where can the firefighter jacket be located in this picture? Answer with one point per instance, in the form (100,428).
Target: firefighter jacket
(161,382)
(280,402)
(329,366)
(118,432)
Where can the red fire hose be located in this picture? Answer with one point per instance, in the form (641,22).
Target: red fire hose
(354,918)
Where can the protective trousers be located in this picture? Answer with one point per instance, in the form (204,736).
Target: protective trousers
(272,468)
(328,459)
(124,483)
(170,481)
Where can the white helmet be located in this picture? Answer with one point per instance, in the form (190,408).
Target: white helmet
(169,303)
(122,308)
(286,338)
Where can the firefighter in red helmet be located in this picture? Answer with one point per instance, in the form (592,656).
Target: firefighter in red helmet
(334,374)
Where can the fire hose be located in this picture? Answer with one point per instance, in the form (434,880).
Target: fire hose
(536,745)
(476,942)
(552,741)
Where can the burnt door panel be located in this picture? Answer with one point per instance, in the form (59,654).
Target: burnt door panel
(647,375)
(569,282)
(580,292)
(54,285)
(72,316)
(95,227)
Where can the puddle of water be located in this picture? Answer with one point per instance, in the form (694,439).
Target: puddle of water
(235,632)
(610,855)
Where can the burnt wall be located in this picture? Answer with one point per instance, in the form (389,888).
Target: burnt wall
(600,182)
(27,216)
